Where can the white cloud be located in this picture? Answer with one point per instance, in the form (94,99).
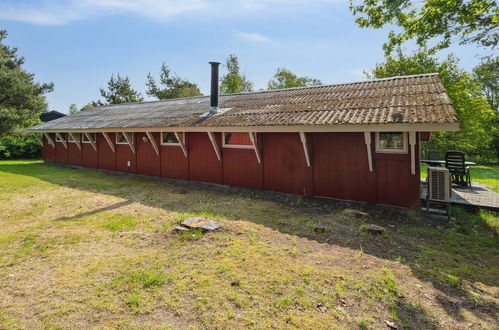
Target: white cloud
(57,12)
(253,36)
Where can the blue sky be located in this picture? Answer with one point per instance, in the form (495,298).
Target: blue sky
(78,44)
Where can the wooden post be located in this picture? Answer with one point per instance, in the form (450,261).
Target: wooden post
(111,145)
(252,137)
(215,145)
(367,140)
(64,143)
(93,143)
(129,143)
(153,142)
(76,141)
(182,142)
(49,140)
(303,139)
(412,142)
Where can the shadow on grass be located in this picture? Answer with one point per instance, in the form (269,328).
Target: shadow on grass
(437,251)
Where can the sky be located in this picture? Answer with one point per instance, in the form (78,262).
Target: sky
(79,44)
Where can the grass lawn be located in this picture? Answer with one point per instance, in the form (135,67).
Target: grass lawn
(487,175)
(93,249)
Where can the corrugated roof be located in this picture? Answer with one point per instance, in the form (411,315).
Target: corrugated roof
(406,99)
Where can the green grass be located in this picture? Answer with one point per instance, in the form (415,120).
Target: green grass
(91,249)
(487,175)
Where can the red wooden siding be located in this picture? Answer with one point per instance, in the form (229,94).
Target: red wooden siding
(74,154)
(48,150)
(126,160)
(341,167)
(240,139)
(285,168)
(88,155)
(203,162)
(395,185)
(241,168)
(174,164)
(148,162)
(61,153)
(105,155)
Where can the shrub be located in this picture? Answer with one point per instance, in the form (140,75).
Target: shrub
(19,146)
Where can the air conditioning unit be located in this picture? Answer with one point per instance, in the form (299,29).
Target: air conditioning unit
(439,184)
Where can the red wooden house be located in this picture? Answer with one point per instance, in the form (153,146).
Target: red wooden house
(356,141)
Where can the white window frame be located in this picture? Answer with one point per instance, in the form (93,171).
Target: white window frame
(70,140)
(404,149)
(57,139)
(182,136)
(83,137)
(118,133)
(238,146)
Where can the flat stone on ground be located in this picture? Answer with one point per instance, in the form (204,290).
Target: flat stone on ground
(373,229)
(201,222)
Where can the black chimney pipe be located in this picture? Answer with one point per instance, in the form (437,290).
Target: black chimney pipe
(214,86)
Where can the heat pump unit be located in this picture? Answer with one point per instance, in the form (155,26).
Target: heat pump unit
(439,184)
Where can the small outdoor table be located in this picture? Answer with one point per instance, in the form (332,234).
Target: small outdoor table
(438,163)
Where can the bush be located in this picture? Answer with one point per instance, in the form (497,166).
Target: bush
(19,146)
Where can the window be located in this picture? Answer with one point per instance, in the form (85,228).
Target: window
(84,138)
(63,136)
(75,135)
(391,142)
(237,140)
(120,138)
(169,139)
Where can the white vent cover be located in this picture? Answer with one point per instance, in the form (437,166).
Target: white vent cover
(439,184)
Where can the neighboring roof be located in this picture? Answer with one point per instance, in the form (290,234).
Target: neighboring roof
(51,115)
(408,99)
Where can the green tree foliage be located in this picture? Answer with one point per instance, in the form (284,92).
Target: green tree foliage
(19,145)
(91,105)
(73,108)
(476,127)
(284,78)
(119,90)
(439,21)
(234,81)
(172,86)
(487,73)
(21,98)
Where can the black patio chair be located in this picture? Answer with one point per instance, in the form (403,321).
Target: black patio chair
(433,155)
(455,163)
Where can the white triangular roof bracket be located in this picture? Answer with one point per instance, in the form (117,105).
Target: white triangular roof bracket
(367,140)
(182,142)
(252,136)
(93,143)
(132,147)
(76,141)
(303,139)
(63,141)
(153,142)
(215,145)
(111,145)
(49,139)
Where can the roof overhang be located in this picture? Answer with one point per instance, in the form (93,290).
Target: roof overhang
(394,127)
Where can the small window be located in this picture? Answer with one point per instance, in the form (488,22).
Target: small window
(391,142)
(84,138)
(62,135)
(120,138)
(75,135)
(237,140)
(169,139)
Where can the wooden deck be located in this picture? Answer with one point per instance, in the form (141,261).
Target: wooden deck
(478,196)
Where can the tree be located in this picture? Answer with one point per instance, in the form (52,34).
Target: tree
(476,118)
(73,108)
(487,73)
(234,81)
(120,91)
(91,105)
(172,85)
(22,100)
(284,78)
(474,21)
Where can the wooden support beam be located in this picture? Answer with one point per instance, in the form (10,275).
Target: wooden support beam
(93,143)
(64,142)
(49,140)
(38,138)
(111,145)
(211,135)
(412,143)
(75,140)
(303,138)
(367,140)
(132,147)
(182,142)
(252,137)
(153,142)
